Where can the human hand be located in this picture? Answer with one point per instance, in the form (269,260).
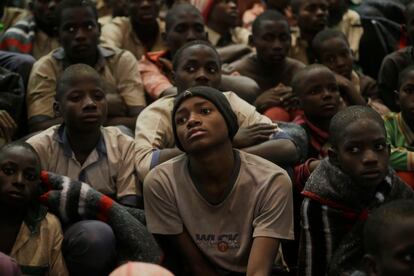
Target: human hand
(253,135)
(8,126)
(280,95)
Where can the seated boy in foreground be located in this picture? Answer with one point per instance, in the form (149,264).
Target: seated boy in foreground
(388,240)
(81,148)
(343,190)
(29,234)
(400,128)
(245,202)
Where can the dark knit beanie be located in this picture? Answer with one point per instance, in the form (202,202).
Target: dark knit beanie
(214,96)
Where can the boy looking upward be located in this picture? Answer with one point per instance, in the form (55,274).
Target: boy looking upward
(343,190)
(79,33)
(217,182)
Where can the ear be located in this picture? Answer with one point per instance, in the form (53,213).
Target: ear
(333,156)
(370,265)
(56,109)
(397,97)
(251,41)
(164,36)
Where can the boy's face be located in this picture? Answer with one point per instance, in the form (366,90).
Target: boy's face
(336,55)
(198,65)
(43,11)
(143,11)
(200,125)
(272,41)
(83,106)
(313,15)
(397,255)
(187,26)
(319,95)
(19,177)
(363,153)
(79,33)
(226,11)
(406,97)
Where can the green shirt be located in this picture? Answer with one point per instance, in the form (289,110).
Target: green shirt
(401,139)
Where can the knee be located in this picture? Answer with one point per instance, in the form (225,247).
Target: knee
(89,248)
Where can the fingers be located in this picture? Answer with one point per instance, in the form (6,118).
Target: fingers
(7,125)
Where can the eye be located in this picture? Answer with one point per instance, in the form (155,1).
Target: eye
(89,26)
(8,170)
(333,88)
(74,97)
(353,149)
(70,29)
(380,147)
(205,110)
(409,257)
(99,95)
(212,70)
(190,68)
(180,120)
(30,176)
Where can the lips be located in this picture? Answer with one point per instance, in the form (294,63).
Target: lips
(16,194)
(329,106)
(91,117)
(371,174)
(195,132)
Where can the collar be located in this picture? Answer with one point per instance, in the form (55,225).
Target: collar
(103,53)
(62,138)
(34,216)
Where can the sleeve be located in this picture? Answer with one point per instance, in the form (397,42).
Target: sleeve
(355,33)
(154,81)
(161,211)
(42,146)
(313,258)
(387,82)
(153,131)
(245,112)
(401,158)
(275,211)
(57,263)
(112,35)
(302,174)
(41,89)
(129,81)
(127,180)
(16,40)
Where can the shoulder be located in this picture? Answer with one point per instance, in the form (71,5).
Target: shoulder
(161,107)
(399,56)
(390,117)
(294,64)
(44,138)
(48,63)
(118,22)
(260,167)
(164,175)
(51,224)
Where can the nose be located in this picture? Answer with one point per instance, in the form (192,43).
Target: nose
(80,34)
(201,75)
(89,103)
(191,35)
(193,121)
(18,181)
(369,158)
(277,45)
(326,93)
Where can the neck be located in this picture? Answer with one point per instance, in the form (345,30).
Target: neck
(12,218)
(307,36)
(83,142)
(147,32)
(321,123)
(215,166)
(92,60)
(409,122)
(218,28)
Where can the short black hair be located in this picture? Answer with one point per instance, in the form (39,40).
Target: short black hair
(402,76)
(296,4)
(178,54)
(270,15)
(72,72)
(324,35)
(66,4)
(298,77)
(341,120)
(178,8)
(22,144)
(381,219)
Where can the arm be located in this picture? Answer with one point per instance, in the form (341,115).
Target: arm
(313,256)
(154,81)
(42,122)
(233,52)
(278,151)
(189,254)
(262,255)
(245,87)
